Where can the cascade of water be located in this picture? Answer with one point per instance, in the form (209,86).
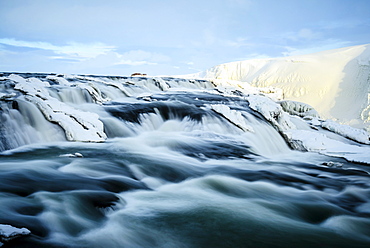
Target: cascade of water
(15,131)
(25,124)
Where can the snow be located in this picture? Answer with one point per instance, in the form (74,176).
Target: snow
(334,82)
(8,232)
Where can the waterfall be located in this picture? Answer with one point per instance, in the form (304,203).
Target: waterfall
(54,108)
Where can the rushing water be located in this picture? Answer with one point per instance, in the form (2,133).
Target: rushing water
(173,171)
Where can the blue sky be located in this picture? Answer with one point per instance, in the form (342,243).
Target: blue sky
(163,37)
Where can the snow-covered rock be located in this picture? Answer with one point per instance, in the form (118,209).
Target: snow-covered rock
(8,232)
(355,134)
(71,155)
(7,96)
(272,111)
(314,141)
(60,80)
(298,108)
(233,86)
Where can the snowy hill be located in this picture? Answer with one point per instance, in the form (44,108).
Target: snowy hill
(335,82)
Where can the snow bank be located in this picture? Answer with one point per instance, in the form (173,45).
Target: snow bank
(335,82)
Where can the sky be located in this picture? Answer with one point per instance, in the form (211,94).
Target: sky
(163,37)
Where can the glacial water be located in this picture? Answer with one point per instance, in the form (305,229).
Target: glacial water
(91,161)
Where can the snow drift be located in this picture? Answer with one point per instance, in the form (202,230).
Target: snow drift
(334,82)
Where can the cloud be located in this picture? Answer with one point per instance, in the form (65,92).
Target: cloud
(342,24)
(115,62)
(92,52)
(315,47)
(73,57)
(307,34)
(140,57)
(238,43)
(71,50)
(241,3)
(256,56)
(303,34)
(130,58)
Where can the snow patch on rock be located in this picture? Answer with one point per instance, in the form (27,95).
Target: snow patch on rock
(71,155)
(8,232)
